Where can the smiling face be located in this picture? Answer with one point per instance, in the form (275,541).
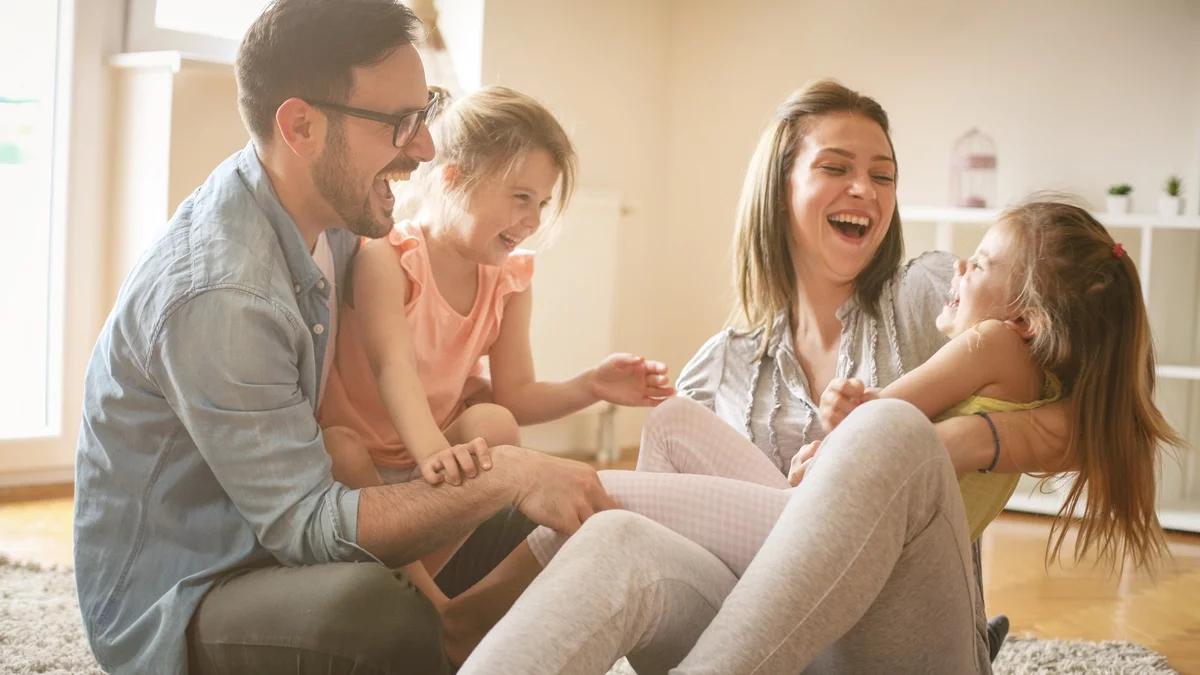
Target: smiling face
(982,287)
(504,210)
(352,173)
(842,194)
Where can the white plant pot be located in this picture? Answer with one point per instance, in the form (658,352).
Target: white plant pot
(1170,206)
(1117,203)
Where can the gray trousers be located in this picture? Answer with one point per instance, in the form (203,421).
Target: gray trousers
(358,618)
(868,569)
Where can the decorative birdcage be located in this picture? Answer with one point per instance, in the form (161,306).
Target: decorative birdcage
(973,171)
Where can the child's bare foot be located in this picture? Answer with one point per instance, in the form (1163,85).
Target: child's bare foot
(468,617)
(462,630)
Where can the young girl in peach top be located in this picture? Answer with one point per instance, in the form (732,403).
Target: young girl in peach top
(406,396)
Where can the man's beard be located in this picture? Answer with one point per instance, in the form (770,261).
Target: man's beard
(333,177)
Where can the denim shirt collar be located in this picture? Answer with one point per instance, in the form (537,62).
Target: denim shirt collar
(301,266)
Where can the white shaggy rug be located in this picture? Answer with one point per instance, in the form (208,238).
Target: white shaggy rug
(40,632)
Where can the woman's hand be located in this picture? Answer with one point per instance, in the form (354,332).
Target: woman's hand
(801,461)
(453,463)
(628,379)
(840,398)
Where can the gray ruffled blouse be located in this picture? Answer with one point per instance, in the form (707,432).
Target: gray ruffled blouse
(766,397)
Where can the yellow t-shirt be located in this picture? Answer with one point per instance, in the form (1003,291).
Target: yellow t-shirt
(985,494)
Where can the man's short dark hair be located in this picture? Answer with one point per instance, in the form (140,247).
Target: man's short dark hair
(307,48)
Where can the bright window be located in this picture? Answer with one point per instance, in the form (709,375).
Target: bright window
(227,19)
(28,75)
(209,29)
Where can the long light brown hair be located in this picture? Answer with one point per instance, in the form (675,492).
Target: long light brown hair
(763,270)
(1080,292)
(484,135)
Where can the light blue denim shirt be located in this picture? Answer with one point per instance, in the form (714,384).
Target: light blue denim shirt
(199,451)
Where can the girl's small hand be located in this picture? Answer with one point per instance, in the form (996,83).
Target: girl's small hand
(801,461)
(628,379)
(841,397)
(455,462)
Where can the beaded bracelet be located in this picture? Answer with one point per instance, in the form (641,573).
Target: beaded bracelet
(995,442)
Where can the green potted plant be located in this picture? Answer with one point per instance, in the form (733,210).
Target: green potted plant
(1118,198)
(1170,203)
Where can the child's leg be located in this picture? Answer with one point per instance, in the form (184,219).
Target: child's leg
(467,617)
(496,426)
(493,423)
(352,465)
(682,436)
(730,518)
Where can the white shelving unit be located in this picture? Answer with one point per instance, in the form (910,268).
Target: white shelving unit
(1180,509)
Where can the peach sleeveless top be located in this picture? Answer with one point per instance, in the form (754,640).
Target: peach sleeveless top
(448,347)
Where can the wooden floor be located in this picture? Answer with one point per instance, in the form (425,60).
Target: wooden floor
(1063,602)
(1083,602)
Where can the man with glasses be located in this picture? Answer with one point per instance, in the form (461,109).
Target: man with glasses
(210,536)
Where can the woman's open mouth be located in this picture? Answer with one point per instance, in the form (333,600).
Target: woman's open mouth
(849,225)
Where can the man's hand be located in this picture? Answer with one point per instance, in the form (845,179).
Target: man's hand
(552,491)
(456,462)
(840,398)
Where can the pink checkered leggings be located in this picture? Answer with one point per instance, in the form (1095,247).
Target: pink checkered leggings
(701,478)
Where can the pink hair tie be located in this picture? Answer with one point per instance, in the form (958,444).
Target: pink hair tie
(1118,251)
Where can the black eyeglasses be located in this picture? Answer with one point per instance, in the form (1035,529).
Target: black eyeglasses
(404,127)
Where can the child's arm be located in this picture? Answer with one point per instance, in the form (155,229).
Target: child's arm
(621,378)
(970,362)
(1031,441)
(380,290)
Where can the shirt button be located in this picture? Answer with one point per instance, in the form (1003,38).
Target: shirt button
(321,284)
(318,329)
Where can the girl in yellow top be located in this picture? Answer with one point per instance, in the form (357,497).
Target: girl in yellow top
(1048,306)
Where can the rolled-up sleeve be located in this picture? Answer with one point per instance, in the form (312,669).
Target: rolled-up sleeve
(229,363)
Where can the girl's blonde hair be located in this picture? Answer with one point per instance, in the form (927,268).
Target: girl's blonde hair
(1079,291)
(763,270)
(485,135)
